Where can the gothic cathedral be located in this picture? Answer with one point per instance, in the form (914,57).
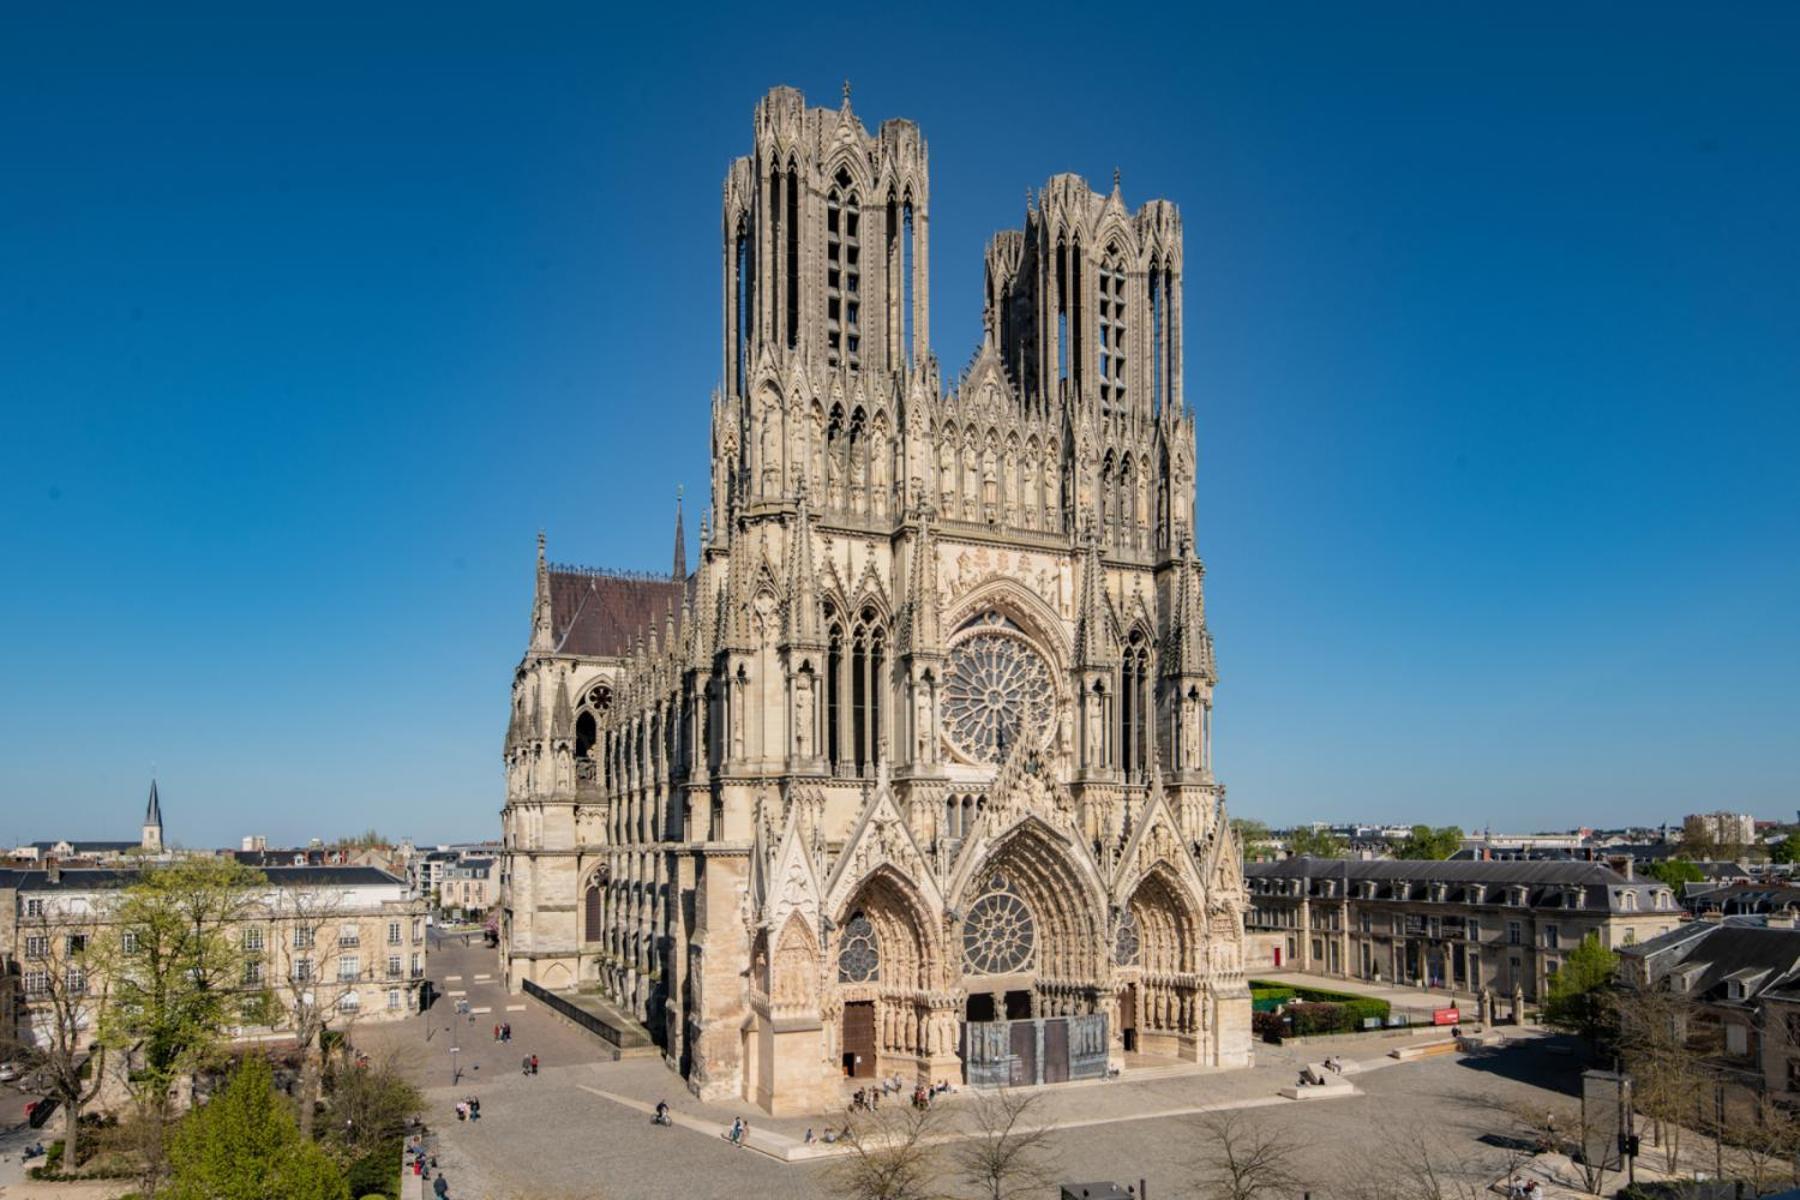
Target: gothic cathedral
(912,774)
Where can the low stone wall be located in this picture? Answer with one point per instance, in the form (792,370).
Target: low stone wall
(594,1015)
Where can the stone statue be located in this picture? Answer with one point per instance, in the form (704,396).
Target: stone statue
(803,715)
(922,725)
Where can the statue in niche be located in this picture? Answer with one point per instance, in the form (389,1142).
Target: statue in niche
(803,714)
(971,473)
(1190,731)
(766,449)
(922,725)
(990,480)
(1096,731)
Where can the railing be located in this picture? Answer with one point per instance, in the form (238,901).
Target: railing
(345,943)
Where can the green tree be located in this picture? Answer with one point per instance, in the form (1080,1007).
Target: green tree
(1787,850)
(1674,872)
(1318,843)
(1252,838)
(174,938)
(244,1145)
(1579,999)
(369,1108)
(1698,840)
(1424,842)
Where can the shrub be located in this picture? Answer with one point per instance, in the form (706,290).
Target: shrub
(376,1173)
(1268,1026)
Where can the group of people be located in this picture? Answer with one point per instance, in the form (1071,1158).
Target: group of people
(739,1133)
(869,1099)
(503,1032)
(468,1110)
(528,1064)
(419,1159)
(1523,1189)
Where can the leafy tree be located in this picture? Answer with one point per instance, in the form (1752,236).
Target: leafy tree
(1318,843)
(1698,840)
(180,965)
(1252,837)
(244,1145)
(369,1108)
(1579,1000)
(1674,872)
(1787,850)
(1424,842)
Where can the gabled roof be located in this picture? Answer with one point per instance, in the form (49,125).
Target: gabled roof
(1710,954)
(600,614)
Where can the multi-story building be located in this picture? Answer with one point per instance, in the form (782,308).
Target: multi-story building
(469,887)
(1727,828)
(916,767)
(350,936)
(1741,975)
(1459,924)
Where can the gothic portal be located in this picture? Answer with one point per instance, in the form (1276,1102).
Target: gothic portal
(912,774)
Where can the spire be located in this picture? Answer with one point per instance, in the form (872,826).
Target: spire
(680,542)
(542,636)
(803,576)
(153,810)
(921,611)
(562,715)
(1093,645)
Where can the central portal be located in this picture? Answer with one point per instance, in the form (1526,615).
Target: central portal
(1044,1050)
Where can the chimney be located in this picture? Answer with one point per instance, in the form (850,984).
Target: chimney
(52,869)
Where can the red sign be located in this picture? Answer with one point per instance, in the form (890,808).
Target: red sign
(1445,1016)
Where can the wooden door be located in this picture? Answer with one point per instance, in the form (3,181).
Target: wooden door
(1023,1037)
(1056,1050)
(859,1039)
(1128,1016)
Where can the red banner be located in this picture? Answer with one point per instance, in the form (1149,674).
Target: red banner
(1445,1016)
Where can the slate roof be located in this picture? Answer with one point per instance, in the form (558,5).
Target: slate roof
(82,846)
(600,614)
(82,879)
(1741,948)
(1549,882)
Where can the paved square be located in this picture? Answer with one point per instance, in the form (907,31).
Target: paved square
(580,1128)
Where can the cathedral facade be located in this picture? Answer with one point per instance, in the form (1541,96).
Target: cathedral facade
(911,774)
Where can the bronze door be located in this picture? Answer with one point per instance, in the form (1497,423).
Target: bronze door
(859,1039)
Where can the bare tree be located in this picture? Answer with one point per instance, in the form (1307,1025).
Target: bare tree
(66,994)
(1244,1160)
(307,925)
(892,1155)
(1413,1167)
(1763,1150)
(1667,1049)
(1006,1153)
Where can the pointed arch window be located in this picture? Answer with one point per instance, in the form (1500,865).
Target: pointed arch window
(1110,331)
(1134,702)
(843,274)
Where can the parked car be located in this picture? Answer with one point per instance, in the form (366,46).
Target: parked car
(8,1072)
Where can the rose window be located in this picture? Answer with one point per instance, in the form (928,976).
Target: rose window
(997,689)
(599,697)
(1125,940)
(859,955)
(998,935)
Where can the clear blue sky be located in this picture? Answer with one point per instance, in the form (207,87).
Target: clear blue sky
(308,322)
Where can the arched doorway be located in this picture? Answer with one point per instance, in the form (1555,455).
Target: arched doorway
(884,965)
(1156,947)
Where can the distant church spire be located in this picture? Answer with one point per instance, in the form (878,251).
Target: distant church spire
(153,827)
(680,540)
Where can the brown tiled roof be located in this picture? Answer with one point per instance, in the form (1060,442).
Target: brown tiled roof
(601,613)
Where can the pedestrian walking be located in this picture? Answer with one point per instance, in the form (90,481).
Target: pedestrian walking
(525,1065)
(744,1136)
(534,1064)
(496,1033)
(440,1188)
(736,1133)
